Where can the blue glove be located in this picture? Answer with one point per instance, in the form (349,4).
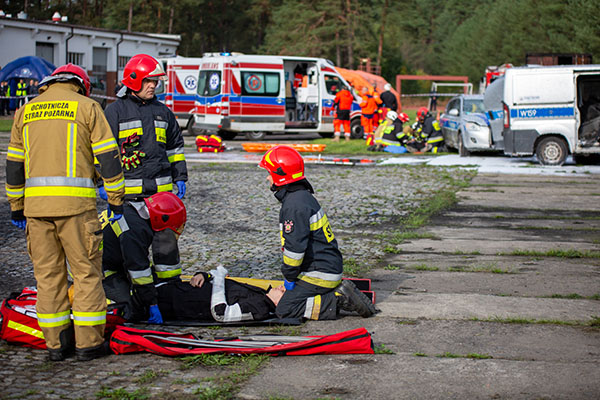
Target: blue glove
(19,223)
(155,316)
(102,193)
(288,285)
(180,189)
(112,217)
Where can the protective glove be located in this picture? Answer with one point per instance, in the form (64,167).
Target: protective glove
(19,223)
(155,316)
(102,193)
(180,189)
(112,217)
(288,285)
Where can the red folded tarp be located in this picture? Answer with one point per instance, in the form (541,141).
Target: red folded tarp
(131,340)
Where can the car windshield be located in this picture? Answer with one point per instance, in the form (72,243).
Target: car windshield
(473,106)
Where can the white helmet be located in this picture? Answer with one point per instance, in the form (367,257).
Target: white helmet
(391,115)
(387,86)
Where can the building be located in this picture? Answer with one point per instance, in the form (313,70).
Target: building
(103,53)
(558,58)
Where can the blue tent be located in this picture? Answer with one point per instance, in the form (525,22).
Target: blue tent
(27,68)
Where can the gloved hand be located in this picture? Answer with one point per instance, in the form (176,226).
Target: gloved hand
(155,316)
(180,189)
(112,217)
(102,193)
(288,285)
(19,223)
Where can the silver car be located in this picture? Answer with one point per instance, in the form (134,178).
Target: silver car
(465,125)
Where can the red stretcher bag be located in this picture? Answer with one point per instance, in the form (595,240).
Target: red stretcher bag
(19,324)
(209,144)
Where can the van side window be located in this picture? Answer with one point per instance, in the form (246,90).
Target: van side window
(260,83)
(209,83)
(333,84)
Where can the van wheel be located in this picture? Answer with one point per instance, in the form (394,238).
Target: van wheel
(226,135)
(255,135)
(356,129)
(462,150)
(551,151)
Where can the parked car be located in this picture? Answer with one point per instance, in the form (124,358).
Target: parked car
(465,125)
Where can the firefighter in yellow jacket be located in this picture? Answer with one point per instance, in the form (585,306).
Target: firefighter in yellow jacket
(50,180)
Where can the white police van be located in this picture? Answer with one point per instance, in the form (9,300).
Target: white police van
(552,111)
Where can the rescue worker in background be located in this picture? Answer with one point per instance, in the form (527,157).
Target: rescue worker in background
(369,108)
(151,148)
(50,180)
(343,104)
(392,136)
(4,90)
(429,129)
(21,91)
(312,263)
(389,100)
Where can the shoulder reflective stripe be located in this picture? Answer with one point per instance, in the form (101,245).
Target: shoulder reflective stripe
(72,150)
(62,191)
(114,185)
(104,145)
(85,318)
(130,125)
(14,192)
(25,329)
(16,153)
(161,124)
(313,307)
(52,320)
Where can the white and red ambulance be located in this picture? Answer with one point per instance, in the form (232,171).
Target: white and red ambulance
(178,91)
(259,94)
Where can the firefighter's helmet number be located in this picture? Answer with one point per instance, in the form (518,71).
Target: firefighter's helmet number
(254,83)
(213,81)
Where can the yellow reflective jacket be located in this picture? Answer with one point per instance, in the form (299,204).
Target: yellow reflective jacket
(50,163)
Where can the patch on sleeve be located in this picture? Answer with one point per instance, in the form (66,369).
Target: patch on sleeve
(288,226)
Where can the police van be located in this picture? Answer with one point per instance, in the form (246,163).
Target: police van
(178,91)
(260,94)
(552,111)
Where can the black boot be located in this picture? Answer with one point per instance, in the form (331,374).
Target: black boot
(67,346)
(353,300)
(91,353)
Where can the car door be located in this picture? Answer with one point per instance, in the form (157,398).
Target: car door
(450,122)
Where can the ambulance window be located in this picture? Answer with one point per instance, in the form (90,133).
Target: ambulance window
(333,84)
(260,83)
(209,83)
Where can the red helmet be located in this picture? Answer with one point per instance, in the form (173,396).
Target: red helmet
(403,117)
(422,113)
(166,211)
(140,67)
(70,72)
(284,164)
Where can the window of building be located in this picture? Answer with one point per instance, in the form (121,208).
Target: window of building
(76,58)
(123,61)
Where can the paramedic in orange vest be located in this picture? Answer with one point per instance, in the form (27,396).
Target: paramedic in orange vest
(50,184)
(369,108)
(343,105)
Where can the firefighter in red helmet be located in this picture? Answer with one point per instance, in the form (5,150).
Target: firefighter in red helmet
(312,263)
(51,181)
(161,212)
(151,146)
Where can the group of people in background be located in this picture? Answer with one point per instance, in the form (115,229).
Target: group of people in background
(23,91)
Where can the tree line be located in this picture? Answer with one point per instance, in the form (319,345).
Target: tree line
(457,37)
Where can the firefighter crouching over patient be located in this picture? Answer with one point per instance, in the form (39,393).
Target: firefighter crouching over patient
(151,148)
(50,181)
(312,263)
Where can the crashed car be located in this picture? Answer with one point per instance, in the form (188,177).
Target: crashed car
(465,125)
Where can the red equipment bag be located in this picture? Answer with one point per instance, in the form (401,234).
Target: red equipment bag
(209,144)
(19,325)
(131,340)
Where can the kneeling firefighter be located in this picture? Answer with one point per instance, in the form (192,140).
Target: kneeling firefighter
(127,242)
(391,133)
(312,263)
(429,129)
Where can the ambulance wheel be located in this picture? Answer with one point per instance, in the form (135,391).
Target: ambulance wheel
(326,135)
(462,150)
(226,135)
(551,151)
(255,135)
(356,129)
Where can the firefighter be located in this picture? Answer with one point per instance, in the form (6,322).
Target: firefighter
(369,108)
(129,239)
(312,263)
(151,146)
(429,129)
(392,136)
(50,186)
(343,105)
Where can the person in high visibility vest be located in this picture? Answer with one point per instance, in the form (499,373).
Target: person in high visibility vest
(21,91)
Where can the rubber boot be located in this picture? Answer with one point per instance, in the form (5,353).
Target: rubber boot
(353,300)
(67,345)
(91,353)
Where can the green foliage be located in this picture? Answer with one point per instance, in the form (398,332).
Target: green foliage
(122,394)
(381,349)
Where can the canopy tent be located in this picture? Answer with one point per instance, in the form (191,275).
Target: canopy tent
(26,68)
(359,79)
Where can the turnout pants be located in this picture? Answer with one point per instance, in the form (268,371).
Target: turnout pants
(308,301)
(50,243)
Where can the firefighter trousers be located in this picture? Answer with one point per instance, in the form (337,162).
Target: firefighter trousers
(308,301)
(50,243)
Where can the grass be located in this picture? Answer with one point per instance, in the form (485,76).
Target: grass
(122,394)
(381,349)
(391,267)
(569,253)
(353,269)
(210,360)
(574,296)
(593,322)
(6,125)
(424,267)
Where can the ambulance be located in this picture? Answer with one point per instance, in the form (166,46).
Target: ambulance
(256,95)
(178,91)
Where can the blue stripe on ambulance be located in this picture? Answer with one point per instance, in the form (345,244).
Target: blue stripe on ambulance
(547,112)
